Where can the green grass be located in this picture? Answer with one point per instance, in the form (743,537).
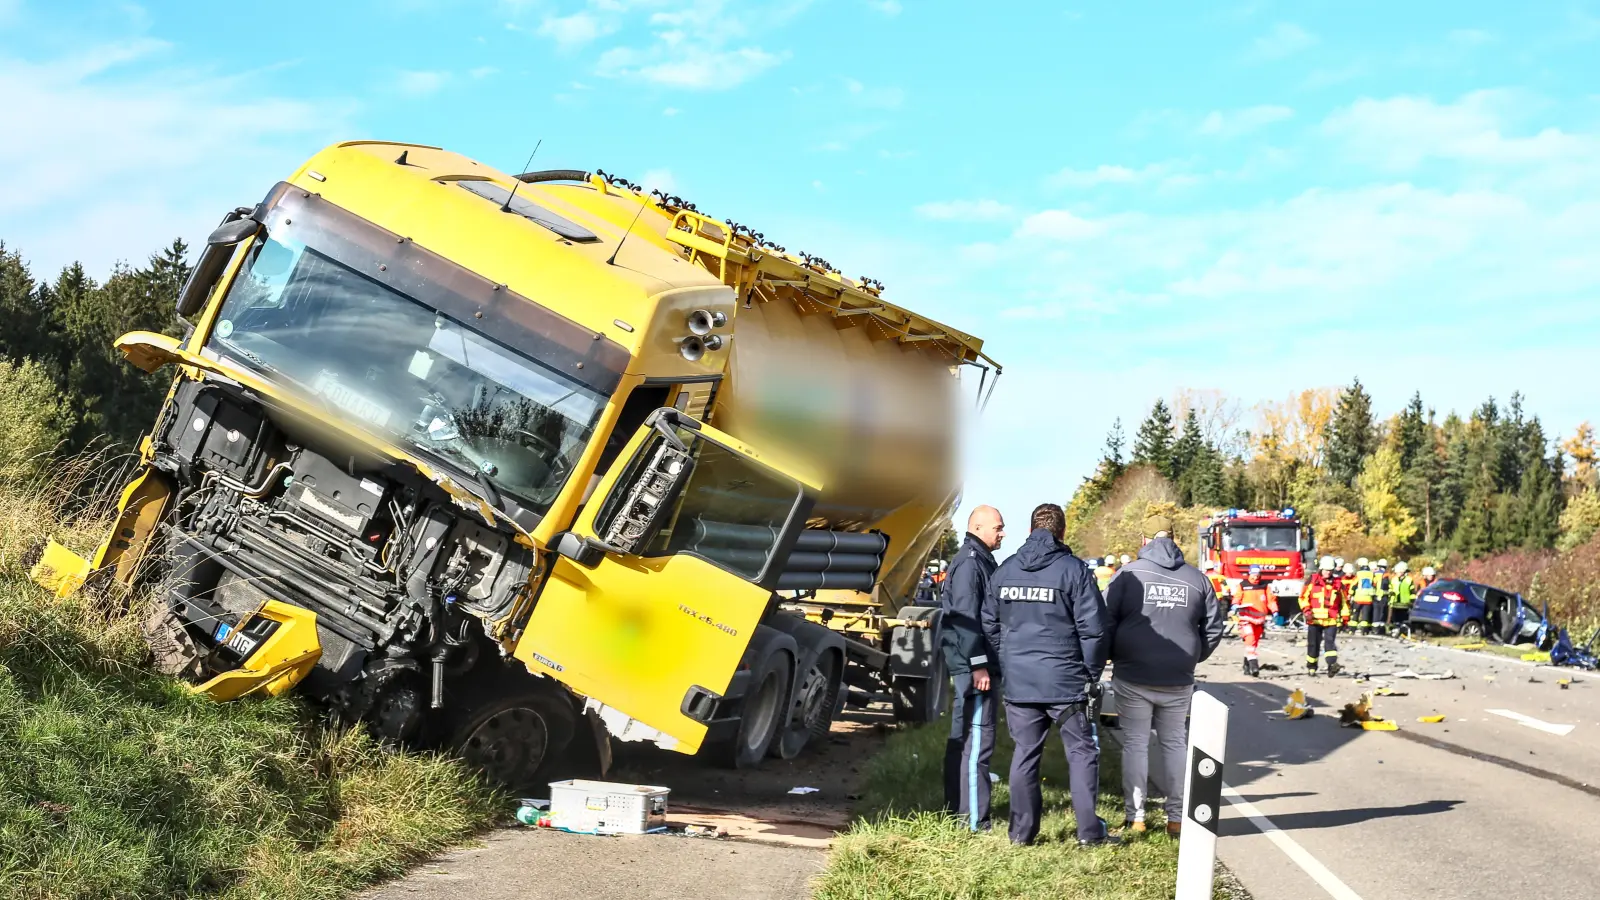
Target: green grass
(119,783)
(1514,651)
(903,847)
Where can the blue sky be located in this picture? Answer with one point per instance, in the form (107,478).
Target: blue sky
(1124,199)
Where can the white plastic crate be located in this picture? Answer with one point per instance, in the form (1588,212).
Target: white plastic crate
(604,807)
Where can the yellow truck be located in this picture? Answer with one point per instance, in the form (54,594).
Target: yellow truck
(515,465)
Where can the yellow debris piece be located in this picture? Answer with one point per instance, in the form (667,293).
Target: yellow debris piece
(1431,720)
(1389,692)
(1536,657)
(1379,725)
(1360,714)
(1297,708)
(1478,646)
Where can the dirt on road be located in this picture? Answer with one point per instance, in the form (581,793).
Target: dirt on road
(775,841)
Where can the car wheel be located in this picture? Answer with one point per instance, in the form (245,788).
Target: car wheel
(1472,628)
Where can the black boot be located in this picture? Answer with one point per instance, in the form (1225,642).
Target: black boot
(1311,668)
(1252,667)
(1333,668)
(1247,667)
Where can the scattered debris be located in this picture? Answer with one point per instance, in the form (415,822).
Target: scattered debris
(1565,683)
(993,778)
(1475,646)
(703,831)
(804,790)
(1297,708)
(1389,692)
(1536,657)
(1360,715)
(1566,653)
(1431,720)
(1488,678)
(1446,675)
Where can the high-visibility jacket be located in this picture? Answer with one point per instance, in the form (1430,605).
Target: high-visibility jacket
(1365,588)
(1322,601)
(1405,592)
(1218,584)
(1102,577)
(1384,583)
(1257,598)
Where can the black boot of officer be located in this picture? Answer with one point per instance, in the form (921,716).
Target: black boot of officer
(1046,616)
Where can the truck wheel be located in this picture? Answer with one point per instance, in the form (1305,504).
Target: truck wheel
(1472,628)
(815,702)
(761,717)
(512,739)
(921,699)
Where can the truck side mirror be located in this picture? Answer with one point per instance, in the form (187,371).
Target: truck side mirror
(236,228)
(579,549)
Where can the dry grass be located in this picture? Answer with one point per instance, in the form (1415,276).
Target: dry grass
(116,782)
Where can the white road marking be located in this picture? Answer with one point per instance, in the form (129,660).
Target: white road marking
(1531,722)
(1319,873)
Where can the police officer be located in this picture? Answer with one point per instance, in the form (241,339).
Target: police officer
(1045,616)
(974,667)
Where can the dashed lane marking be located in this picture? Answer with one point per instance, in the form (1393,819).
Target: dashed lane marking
(1301,857)
(1531,722)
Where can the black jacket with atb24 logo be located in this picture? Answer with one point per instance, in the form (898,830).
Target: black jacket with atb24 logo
(1044,616)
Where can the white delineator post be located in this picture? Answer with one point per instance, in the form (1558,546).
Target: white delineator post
(1202,796)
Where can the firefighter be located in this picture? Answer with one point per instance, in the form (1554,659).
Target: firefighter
(1324,606)
(1123,560)
(1429,576)
(1383,592)
(1218,583)
(1104,571)
(926,594)
(1346,576)
(1254,604)
(1363,593)
(1405,594)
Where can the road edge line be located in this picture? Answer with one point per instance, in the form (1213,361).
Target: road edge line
(1299,855)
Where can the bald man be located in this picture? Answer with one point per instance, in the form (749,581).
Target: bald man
(974,667)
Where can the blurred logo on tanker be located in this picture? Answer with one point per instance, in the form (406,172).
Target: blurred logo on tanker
(1262,560)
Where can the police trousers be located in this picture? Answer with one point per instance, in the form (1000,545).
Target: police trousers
(1318,637)
(1030,725)
(969,749)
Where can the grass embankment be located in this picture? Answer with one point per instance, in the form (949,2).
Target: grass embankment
(119,783)
(902,846)
(1479,645)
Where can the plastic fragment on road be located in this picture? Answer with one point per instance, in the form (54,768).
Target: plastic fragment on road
(1564,683)
(1297,708)
(804,790)
(1389,692)
(1536,657)
(1431,720)
(1360,715)
(1446,675)
(1475,646)
(703,831)
(1379,725)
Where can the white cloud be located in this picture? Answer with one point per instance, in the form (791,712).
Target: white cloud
(150,152)
(1238,122)
(1403,132)
(576,30)
(692,44)
(483,72)
(966,210)
(1284,40)
(1058,225)
(1165,174)
(698,68)
(874,98)
(670,111)
(420,84)
(889,8)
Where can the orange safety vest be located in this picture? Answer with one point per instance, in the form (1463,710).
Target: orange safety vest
(1218,584)
(1322,602)
(1257,597)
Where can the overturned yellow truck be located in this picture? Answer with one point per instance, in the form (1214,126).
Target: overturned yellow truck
(517,464)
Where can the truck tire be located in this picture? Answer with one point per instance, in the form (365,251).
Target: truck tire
(761,717)
(918,699)
(817,697)
(516,732)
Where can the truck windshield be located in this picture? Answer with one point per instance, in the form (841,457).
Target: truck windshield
(1262,537)
(391,356)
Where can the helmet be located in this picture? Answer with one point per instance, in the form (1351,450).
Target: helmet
(1208,565)
(1383,564)
(1326,564)
(1255,571)
(1400,567)
(942,564)
(1338,561)
(1349,568)
(1361,562)
(1125,559)
(1428,572)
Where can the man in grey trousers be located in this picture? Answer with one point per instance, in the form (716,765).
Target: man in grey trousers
(1163,620)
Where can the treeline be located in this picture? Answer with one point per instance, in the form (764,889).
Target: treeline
(63,386)
(1409,485)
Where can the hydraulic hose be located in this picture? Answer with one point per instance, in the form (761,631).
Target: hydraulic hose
(553,175)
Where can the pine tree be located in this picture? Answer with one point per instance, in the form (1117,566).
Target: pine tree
(1350,435)
(1539,498)
(1411,437)
(1111,456)
(1152,446)
(1184,452)
(1205,483)
(1474,533)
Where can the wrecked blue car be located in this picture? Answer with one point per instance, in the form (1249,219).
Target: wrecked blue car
(1474,610)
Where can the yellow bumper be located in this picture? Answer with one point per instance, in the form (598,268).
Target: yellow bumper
(279,663)
(59,570)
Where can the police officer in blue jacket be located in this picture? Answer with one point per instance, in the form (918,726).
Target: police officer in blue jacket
(972,665)
(1045,616)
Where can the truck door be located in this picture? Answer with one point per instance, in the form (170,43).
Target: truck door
(653,596)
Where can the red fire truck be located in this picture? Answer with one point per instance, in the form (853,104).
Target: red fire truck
(1274,540)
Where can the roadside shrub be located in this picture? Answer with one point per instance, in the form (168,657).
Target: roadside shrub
(35,420)
(1572,585)
(1580,520)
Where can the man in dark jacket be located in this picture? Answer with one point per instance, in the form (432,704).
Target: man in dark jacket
(1164,620)
(1044,616)
(975,670)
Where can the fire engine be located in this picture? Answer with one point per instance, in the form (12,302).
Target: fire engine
(1274,540)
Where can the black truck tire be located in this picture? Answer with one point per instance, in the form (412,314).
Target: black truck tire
(511,726)
(762,712)
(816,698)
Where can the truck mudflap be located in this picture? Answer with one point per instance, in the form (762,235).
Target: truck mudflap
(276,645)
(917,672)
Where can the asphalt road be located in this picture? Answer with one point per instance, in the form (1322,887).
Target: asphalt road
(1487,805)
